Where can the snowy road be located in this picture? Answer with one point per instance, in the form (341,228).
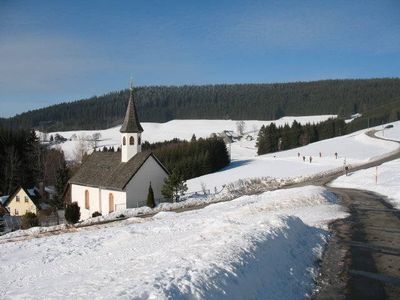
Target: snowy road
(364,250)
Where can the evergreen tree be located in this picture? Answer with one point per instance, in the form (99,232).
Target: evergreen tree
(150,198)
(174,187)
(61,182)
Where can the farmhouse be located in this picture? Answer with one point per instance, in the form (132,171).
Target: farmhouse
(112,181)
(23,201)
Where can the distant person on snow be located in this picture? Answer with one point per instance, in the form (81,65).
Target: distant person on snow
(304,158)
(298,154)
(320,154)
(310,159)
(336,155)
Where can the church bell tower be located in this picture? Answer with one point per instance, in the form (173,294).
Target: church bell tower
(131,131)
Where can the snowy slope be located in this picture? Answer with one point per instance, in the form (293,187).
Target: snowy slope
(182,129)
(352,149)
(385,179)
(387,183)
(262,246)
(390,133)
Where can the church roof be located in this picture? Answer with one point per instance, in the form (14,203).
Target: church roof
(131,122)
(105,170)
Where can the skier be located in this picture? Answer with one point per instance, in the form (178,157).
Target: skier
(336,155)
(304,158)
(310,159)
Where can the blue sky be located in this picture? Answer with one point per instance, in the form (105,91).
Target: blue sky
(54,51)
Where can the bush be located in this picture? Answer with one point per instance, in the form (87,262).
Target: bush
(96,214)
(150,198)
(72,213)
(29,220)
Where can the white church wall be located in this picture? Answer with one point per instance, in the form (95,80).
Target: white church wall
(78,195)
(138,186)
(119,201)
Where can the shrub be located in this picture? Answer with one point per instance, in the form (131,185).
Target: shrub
(72,213)
(96,214)
(150,198)
(29,220)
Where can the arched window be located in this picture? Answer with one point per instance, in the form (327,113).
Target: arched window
(139,140)
(124,141)
(131,141)
(87,206)
(110,202)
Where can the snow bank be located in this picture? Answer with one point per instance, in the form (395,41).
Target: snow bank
(263,246)
(388,182)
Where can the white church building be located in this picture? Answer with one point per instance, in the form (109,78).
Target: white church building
(112,181)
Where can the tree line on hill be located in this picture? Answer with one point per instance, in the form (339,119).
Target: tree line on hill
(192,158)
(223,101)
(272,138)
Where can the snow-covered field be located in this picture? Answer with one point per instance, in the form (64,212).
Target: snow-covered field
(353,149)
(387,183)
(182,129)
(390,133)
(385,179)
(262,246)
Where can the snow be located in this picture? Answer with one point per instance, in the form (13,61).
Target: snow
(353,149)
(182,129)
(387,183)
(250,247)
(390,133)
(384,179)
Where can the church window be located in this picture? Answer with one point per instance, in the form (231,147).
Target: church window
(131,141)
(87,206)
(110,202)
(124,141)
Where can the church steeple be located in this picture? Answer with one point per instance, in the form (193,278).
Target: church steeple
(131,122)
(131,131)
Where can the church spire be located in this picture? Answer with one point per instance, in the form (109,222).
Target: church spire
(131,122)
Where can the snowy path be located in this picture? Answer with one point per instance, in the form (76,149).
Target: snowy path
(364,249)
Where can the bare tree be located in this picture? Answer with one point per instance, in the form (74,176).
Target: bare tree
(240,127)
(81,149)
(203,188)
(255,130)
(95,139)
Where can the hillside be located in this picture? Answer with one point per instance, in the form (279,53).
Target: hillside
(225,101)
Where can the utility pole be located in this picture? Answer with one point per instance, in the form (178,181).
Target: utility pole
(376,175)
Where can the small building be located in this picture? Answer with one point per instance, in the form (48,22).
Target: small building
(23,201)
(112,181)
